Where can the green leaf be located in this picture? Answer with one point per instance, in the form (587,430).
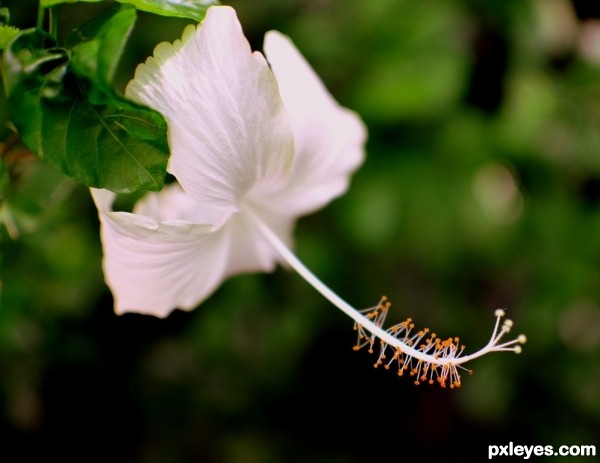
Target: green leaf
(49,3)
(62,103)
(4,16)
(97,46)
(4,179)
(7,33)
(191,9)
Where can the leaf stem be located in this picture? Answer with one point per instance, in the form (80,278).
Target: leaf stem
(40,17)
(53,23)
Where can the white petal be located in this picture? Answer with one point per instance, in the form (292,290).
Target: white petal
(329,139)
(164,257)
(250,251)
(228,129)
(154,267)
(172,204)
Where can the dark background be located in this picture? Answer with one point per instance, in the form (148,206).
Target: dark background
(481,189)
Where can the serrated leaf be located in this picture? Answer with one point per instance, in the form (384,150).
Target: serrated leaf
(7,33)
(75,122)
(190,9)
(97,46)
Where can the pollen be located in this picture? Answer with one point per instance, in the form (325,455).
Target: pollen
(423,354)
(422,340)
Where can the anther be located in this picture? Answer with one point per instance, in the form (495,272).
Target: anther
(437,359)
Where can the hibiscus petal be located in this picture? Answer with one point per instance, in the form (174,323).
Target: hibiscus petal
(172,204)
(329,139)
(228,129)
(250,251)
(154,267)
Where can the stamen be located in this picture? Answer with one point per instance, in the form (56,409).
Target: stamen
(423,355)
(443,358)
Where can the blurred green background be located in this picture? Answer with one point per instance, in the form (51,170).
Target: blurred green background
(481,189)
